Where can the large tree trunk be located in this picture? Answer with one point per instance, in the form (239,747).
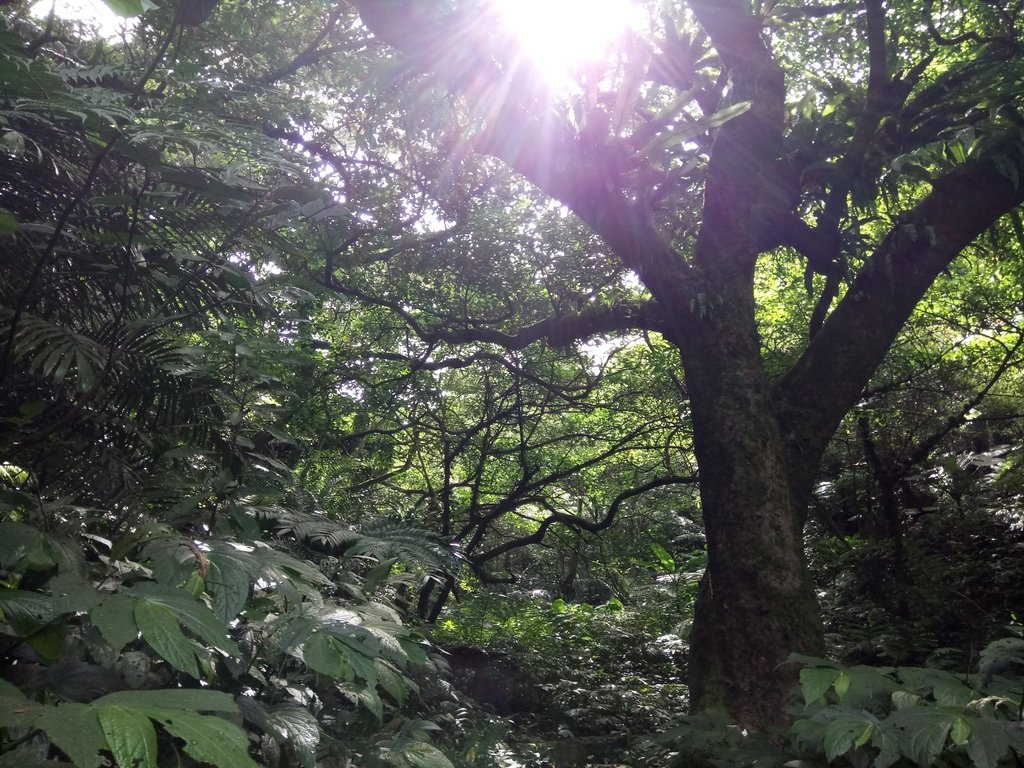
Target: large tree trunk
(757,603)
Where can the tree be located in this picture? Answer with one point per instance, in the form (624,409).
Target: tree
(875,142)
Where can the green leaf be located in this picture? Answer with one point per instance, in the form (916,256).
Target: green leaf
(952,693)
(160,629)
(845,731)
(665,559)
(8,224)
(359,657)
(296,726)
(229,588)
(988,743)
(71,594)
(193,699)
(391,680)
(11,691)
(322,655)
(887,742)
(842,684)
(26,611)
(905,699)
(30,756)
(923,732)
(815,682)
(131,736)
(207,738)
(960,731)
(115,618)
(423,755)
(125,8)
(76,730)
(369,698)
(415,652)
(722,116)
(995,655)
(16,539)
(192,613)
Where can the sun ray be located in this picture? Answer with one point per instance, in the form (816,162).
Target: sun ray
(562,37)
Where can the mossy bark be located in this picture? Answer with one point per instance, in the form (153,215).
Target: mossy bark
(757,603)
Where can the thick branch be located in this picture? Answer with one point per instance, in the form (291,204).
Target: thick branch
(520,129)
(854,340)
(876,106)
(558,331)
(741,169)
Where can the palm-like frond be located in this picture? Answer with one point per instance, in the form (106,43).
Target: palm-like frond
(121,256)
(381,539)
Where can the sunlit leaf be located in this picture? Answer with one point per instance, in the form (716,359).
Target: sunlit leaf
(130,735)
(160,629)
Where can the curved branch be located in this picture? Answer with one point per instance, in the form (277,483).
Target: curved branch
(792,13)
(855,338)
(580,523)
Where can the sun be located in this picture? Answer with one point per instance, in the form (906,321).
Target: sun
(561,37)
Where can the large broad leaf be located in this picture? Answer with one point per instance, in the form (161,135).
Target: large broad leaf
(29,756)
(229,588)
(192,699)
(391,680)
(944,686)
(299,728)
(359,657)
(886,740)
(287,724)
(208,739)
(114,615)
(26,611)
(16,539)
(321,654)
(846,731)
(816,681)
(923,732)
(76,731)
(130,735)
(988,741)
(11,692)
(1001,656)
(192,613)
(367,696)
(423,755)
(160,629)
(74,728)
(71,594)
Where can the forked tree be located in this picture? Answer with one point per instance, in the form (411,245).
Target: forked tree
(691,162)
